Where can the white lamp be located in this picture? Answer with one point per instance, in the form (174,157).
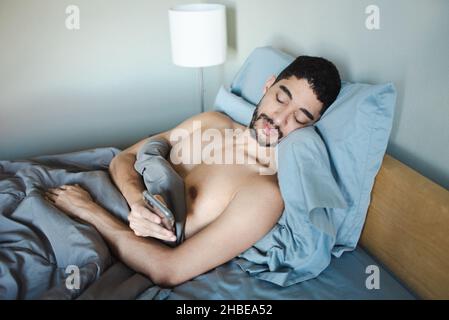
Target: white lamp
(198,37)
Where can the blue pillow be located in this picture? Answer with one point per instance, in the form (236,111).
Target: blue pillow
(262,63)
(234,106)
(355,131)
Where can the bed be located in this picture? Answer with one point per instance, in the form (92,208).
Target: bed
(405,235)
(402,252)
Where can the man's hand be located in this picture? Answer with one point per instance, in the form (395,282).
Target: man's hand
(145,222)
(72,199)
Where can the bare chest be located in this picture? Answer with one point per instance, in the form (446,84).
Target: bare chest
(210,183)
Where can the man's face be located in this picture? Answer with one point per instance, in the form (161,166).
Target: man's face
(288,105)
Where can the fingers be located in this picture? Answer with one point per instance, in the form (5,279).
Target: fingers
(57,190)
(49,197)
(145,213)
(147,229)
(144,232)
(52,193)
(65,187)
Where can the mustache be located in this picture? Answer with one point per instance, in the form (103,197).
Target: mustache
(271,122)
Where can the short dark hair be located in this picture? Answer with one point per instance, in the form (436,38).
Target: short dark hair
(321,74)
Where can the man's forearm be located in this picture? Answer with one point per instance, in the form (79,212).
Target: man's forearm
(122,171)
(144,255)
(127,180)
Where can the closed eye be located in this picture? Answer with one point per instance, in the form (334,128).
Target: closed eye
(302,123)
(298,121)
(277,98)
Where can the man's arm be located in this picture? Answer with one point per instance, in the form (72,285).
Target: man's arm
(143,220)
(121,168)
(251,214)
(123,174)
(253,211)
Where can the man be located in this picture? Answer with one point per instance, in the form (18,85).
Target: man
(229,206)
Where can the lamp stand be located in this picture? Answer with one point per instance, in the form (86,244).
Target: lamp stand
(201,76)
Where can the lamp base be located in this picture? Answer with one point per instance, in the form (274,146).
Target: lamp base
(201,83)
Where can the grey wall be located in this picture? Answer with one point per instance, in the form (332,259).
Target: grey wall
(113,82)
(411,49)
(108,84)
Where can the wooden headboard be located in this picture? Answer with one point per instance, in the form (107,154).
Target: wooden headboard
(407,229)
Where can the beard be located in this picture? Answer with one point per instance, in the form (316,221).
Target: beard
(254,132)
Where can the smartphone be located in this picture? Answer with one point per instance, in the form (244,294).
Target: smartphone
(167,217)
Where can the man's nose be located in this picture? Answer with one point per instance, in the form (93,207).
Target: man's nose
(281,116)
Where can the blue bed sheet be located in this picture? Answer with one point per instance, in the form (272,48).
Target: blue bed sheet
(344,279)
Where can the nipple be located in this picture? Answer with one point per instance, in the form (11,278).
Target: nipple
(193,192)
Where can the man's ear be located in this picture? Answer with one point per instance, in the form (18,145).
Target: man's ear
(269,83)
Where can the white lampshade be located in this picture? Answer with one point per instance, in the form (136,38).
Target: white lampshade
(198,34)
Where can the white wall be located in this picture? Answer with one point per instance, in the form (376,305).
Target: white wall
(108,84)
(411,49)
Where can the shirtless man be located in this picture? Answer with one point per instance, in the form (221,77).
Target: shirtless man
(229,206)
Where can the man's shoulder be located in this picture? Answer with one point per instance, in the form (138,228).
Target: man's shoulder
(213,119)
